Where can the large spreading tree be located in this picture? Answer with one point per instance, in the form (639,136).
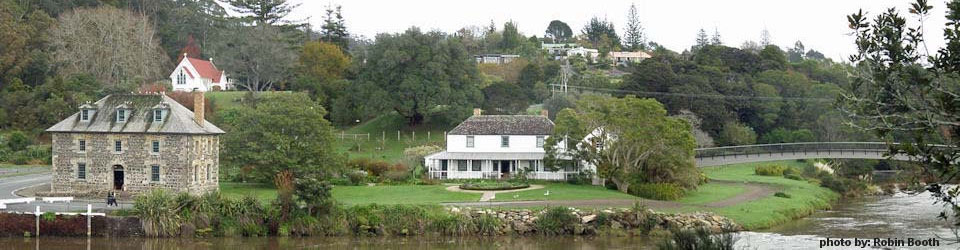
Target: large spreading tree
(415,72)
(280,133)
(628,140)
(904,93)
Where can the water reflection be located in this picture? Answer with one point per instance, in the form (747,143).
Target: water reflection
(589,243)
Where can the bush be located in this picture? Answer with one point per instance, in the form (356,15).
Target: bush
(770,170)
(657,191)
(17,141)
(580,178)
(782,195)
(356,178)
(700,239)
(556,221)
(493,185)
(374,168)
(397,176)
(794,177)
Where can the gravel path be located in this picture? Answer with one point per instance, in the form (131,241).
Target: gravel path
(753,191)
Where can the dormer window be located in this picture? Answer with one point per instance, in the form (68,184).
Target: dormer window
(121,115)
(159,111)
(158,115)
(86,112)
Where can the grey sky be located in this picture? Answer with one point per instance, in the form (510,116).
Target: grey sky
(819,24)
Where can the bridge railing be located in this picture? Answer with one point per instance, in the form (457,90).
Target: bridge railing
(799,147)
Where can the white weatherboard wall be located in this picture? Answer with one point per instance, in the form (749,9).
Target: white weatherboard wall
(192,83)
(491,143)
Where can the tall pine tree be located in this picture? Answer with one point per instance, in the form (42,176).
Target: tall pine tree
(334,29)
(634,39)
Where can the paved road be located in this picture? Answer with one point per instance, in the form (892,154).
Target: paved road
(9,185)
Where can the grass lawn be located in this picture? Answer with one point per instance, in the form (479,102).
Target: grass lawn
(237,190)
(564,191)
(230,99)
(806,197)
(403,194)
(711,192)
(382,143)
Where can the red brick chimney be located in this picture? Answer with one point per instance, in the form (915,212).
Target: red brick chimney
(198,107)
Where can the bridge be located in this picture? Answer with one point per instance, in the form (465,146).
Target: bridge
(716,156)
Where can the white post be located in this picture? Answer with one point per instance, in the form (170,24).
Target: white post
(89,211)
(37,213)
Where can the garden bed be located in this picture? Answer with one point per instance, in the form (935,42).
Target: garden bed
(493,186)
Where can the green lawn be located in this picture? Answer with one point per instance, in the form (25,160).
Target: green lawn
(383,143)
(711,192)
(563,191)
(230,99)
(404,194)
(806,197)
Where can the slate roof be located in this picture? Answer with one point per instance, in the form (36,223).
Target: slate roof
(179,119)
(504,125)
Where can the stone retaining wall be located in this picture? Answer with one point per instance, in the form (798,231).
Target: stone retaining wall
(523,221)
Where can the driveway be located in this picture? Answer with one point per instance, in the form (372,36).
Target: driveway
(10,185)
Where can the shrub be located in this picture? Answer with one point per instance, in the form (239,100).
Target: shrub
(416,154)
(782,195)
(581,178)
(17,141)
(657,191)
(770,170)
(493,185)
(159,213)
(397,176)
(794,177)
(374,168)
(556,221)
(356,178)
(697,239)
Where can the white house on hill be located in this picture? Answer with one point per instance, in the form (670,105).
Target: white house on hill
(196,74)
(496,146)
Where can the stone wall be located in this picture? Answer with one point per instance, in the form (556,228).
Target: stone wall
(184,161)
(523,221)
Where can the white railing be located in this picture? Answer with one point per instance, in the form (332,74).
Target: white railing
(18,200)
(548,175)
(56,199)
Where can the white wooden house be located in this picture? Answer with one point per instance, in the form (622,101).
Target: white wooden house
(494,147)
(200,75)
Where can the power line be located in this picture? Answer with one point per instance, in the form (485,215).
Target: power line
(706,96)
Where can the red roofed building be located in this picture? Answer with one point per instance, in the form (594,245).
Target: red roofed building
(196,74)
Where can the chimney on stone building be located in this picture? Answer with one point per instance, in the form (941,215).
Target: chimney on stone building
(198,107)
(477,112)
(544,113)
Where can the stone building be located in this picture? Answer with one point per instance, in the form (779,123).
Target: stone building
(135,143)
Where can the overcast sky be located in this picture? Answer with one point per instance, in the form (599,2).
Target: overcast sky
(819,24)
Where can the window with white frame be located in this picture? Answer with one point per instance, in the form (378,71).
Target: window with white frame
(469,141)
(158,115)
(82,145)
(118,146)
(540,141)
(505,141)
(82,171)
(85,115)
(182,78)
(462,165)
(475,165)
(155,146)
(121,115)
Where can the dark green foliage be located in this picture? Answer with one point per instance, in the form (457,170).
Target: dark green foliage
(314,194)
(263,12)
(782,195)
(413,72)
(281,133)
(699,239)
(505,98)
(556,221)
(794,177)
(558,31)
(17,141)
(658,191)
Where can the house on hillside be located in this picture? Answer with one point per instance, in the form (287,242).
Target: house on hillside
(625,58)
(589,54)
(494,147)
(200,75)
(135,143)
(558,50)
(495,58)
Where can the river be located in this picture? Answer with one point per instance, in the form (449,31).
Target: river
(899,216)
